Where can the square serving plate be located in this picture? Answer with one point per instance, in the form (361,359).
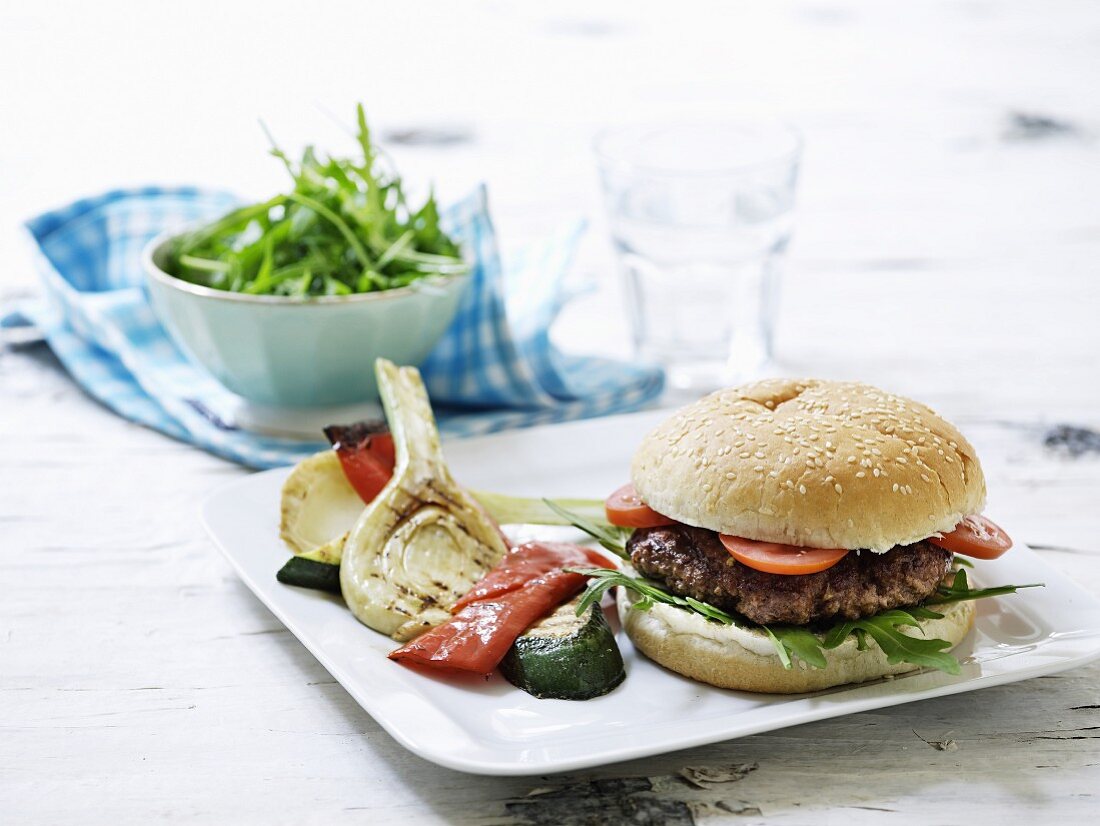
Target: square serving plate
(489,727)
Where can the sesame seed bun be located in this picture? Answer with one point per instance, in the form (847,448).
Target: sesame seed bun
(822,464)
(744,659)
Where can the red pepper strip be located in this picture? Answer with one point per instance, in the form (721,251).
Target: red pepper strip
(367,457)
(369,467)
(477,637)
(530,560)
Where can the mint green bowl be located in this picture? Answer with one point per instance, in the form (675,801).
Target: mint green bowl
(300,352)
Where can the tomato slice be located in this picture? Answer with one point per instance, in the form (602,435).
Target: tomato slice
(975,536)
(775,558)
(626,509)
(367,455)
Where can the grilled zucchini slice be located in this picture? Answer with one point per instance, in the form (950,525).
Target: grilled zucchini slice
(566,657)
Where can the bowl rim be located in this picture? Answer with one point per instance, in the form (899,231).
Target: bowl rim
(153,271)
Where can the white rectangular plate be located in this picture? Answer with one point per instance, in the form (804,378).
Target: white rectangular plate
(489,727)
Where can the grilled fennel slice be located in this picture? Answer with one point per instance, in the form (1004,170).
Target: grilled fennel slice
(319,507)
(423,542)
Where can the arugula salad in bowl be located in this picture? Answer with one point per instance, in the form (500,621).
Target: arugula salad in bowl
(289,301)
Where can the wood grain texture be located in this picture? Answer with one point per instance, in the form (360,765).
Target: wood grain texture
(947,242)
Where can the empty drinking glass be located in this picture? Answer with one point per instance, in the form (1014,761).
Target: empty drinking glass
(700,215)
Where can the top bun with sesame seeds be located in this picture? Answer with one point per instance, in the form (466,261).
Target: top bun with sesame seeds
(821,464)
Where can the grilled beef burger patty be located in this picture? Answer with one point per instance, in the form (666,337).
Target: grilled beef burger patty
(692,562)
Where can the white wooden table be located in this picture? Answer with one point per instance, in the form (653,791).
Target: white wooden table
(947,247)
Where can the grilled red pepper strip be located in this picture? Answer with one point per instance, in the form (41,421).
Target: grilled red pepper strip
(477,637)
(367,455)
(526,562)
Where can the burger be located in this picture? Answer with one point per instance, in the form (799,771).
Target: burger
(796,507)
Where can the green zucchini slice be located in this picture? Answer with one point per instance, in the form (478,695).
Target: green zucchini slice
(307,573)
(566,657)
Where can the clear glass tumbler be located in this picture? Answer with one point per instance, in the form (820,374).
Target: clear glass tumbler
(700,215)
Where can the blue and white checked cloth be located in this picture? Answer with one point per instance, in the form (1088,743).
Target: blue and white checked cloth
(494,368)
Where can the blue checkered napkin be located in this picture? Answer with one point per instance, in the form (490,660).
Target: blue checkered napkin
(493,369)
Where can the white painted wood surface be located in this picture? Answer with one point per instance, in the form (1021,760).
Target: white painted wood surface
(946,248)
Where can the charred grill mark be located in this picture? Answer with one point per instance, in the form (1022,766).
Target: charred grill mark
(444,496)
(354,436)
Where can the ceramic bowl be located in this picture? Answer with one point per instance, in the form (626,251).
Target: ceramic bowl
(300,352)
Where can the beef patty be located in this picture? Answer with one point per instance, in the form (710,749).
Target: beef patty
(692,562)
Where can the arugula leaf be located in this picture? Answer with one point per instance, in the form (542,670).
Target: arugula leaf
(798,641)
(780,648)
(611,537)
(884,629)
(960,590)
(343,227)
(649,593)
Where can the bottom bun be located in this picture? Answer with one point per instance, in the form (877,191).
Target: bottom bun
(730,657)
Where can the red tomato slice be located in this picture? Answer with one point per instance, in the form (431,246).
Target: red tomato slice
(975,536)
(367,456)
(774,558)
(627,510)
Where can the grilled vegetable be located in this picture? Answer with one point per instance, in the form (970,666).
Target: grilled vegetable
(527,585)
(366,455)
(306,573)
(565,656)
(423,542)
(319,507)
(326,493)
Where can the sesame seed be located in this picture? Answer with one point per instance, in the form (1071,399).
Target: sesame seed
(838,488)
(860,474)
(759,468)
(877,472)
(731,475)
(895,487)
(802,489)
(851,459)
